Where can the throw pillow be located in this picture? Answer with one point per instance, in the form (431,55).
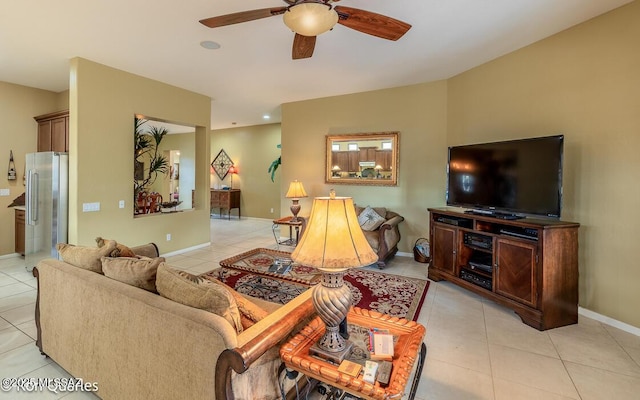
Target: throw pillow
(135,271)
(250,313)
(195,291)
(120,250)
(85,257)
(370,220)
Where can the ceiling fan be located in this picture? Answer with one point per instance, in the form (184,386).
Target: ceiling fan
(310,18)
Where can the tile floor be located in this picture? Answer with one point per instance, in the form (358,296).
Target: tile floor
(476,349)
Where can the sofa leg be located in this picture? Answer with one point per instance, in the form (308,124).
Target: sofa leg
(381,264)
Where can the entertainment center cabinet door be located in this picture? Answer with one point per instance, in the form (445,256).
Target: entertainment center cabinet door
(444,248)
(516,271)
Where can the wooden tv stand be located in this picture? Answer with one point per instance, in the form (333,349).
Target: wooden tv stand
(529,265)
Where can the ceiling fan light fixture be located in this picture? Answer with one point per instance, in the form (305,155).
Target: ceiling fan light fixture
(310,19)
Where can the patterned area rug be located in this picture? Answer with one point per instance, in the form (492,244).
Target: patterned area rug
(386,293)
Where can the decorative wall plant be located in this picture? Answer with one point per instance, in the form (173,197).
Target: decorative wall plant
(274,165)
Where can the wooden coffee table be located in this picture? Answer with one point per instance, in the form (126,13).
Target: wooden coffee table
(409,349)
(260,262)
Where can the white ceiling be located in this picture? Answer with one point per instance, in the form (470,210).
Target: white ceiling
(252,74)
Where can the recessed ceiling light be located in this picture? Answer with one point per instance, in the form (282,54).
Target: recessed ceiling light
(209,44)
(266,116)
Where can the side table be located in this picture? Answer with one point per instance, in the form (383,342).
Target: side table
(408,350)
(298,225)
(226,199)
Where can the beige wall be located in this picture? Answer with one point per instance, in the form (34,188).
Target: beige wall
(585,84)
(103,102)
(418,112)
(18,106)
(252,149)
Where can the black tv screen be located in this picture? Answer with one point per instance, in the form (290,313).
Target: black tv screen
(516,177)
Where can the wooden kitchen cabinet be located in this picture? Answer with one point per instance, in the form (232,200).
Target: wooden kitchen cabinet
(53,131)
(383,159)
(19,231)
(368,154)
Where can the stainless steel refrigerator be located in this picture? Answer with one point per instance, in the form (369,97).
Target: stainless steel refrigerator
(47,206)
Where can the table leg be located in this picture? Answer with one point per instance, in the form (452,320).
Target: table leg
(416,378)
(273,229)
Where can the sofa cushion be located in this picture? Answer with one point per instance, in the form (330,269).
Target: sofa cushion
(120,250)
(382,211)
(250,313)
(197,292)
(370,220)
(86,257)
(135,271)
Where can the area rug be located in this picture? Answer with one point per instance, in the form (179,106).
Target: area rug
(386,293)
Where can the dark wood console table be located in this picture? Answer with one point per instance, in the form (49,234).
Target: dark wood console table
(226,199)
(529,265)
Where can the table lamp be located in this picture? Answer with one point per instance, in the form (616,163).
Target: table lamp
(333,242)
(232,171)
(295,192)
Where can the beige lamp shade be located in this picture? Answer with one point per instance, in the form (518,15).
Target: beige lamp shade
(296,190)
(333,239)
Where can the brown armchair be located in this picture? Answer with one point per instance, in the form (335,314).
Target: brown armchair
(384,239)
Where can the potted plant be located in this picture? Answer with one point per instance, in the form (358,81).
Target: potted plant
(148,161)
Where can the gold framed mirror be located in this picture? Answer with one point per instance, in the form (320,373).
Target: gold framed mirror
(362,159)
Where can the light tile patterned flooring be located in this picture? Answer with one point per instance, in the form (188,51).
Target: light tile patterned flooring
(476,348)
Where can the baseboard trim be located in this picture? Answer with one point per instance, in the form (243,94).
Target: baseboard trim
(234,217)
(10,255)
(609,321)
(188,249)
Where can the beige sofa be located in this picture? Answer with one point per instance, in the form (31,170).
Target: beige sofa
(138,345)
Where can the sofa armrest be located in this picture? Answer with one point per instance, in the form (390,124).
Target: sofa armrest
(147,250)
(390,223)
(256,340)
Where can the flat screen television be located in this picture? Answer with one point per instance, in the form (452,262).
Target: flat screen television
(510,179)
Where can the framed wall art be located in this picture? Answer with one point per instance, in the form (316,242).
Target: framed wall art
(221,164)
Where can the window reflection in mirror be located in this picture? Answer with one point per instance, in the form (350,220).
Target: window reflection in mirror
(164,175)
(362,159)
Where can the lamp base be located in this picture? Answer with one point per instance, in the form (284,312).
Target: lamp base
(295,209)
(334,357)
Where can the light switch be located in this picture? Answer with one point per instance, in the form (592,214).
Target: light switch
(121,204)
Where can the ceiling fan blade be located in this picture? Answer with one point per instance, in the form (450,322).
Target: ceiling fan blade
(371,23)
(243,16)
(303,46)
